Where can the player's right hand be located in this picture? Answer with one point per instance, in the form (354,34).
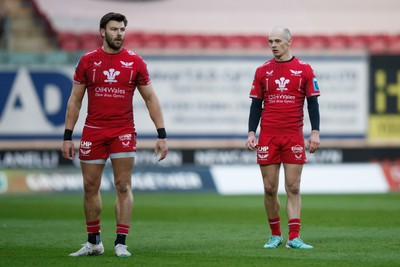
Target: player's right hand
(313,141)
(251,142)
(68,150)
(161,146)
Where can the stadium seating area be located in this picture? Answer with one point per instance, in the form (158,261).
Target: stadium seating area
(71,34)
(71,41)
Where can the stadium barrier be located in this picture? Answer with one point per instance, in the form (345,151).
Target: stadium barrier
(228,171)
(223,179)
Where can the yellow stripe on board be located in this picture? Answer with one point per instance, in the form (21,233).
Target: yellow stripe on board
(384,126)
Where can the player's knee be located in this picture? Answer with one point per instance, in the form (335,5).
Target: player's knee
(122,188)
(293,189)
(270,191)
(90,186)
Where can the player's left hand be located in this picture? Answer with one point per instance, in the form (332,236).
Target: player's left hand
(313,141)
(251,142)
(68,150)
(161,146)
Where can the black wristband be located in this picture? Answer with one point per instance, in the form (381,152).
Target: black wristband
(67,135)
(162,134)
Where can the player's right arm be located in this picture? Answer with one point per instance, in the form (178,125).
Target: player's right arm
(71,117)
(156,115)
(255,112)
(254,120)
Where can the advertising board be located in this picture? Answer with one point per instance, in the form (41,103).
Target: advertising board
(201,96)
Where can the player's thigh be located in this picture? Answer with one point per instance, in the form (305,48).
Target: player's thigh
(293,175)
(270,175)
(122,168)
(92,174)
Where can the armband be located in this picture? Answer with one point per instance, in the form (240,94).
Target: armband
(67,135)
(162,134)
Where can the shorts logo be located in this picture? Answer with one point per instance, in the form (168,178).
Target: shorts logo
(298,151)
(263,152)
(85,148)
(85,152)
(264,156)
(86,144)
(125,137)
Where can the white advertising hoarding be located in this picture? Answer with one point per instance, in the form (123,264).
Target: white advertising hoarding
(201,96)
(365,178)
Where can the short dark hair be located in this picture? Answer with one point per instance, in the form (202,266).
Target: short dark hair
(112,16)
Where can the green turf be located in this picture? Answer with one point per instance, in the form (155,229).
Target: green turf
(202,230)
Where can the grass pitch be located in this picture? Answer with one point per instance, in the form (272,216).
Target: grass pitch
(202,230)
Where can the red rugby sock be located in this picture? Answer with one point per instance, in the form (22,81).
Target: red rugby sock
(93,227)
(122,229)
(275,225)
(294,228)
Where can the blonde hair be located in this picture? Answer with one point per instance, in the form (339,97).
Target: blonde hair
(286,31)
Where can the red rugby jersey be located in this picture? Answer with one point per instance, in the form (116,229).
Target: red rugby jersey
(110,81)
(283,87)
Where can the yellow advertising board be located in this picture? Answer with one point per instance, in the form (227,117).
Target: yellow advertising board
(384,119)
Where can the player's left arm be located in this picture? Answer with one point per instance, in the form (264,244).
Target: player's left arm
(313,112)
(156,115)
(313,93)
(254,120)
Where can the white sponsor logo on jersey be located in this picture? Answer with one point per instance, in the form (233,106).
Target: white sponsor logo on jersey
(296,72)
(126,64)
